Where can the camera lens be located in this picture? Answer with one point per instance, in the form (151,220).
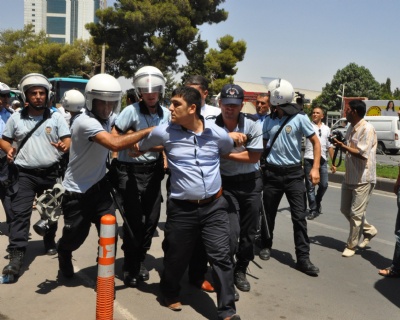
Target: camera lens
(41,227)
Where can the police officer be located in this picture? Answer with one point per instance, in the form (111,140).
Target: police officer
(87,197)
(40,135)
(140,175)
(241,178)
(283,171)
(5,191)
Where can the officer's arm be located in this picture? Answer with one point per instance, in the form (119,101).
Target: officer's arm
(245,156)
(120,142)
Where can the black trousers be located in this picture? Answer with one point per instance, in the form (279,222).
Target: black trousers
(185,223)
(290,183)
(80,210)
(21,207)
(141,197)
(244,198)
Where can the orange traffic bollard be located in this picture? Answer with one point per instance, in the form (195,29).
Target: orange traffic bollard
(105,273)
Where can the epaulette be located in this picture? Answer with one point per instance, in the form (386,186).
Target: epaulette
(251,116)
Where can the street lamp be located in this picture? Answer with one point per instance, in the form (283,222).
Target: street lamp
(103,58)
(342,97)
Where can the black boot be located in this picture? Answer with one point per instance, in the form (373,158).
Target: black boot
(240,279)
(16,260)
(49,246)
(65,263)
(143,272)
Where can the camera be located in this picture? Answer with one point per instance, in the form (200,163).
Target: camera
(42,227)
(49,207)
(336,134)
(300,98)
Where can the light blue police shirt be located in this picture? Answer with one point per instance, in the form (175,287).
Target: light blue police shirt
(132,118)
(247,124)
(193,158)
(286,149)
(37,151)
(87,159)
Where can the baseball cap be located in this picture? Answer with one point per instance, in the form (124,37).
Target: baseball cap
(232,94)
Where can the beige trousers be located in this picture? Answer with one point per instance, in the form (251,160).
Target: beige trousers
(353,205)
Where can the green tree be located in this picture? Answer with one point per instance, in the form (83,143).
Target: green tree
(386,92)
(23,52)
(358,82)
(14,45)
(396,94)
(151,32)
(221,64)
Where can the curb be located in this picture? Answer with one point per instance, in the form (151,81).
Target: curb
(382,184)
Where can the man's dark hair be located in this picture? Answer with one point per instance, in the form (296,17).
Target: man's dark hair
(131,95)
(197,80)
(190,95)
(359,106)
(264,94)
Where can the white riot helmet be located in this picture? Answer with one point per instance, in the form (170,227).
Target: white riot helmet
(103,87)
(73,100)
(34,80)
(281,92)
(149,79)
(4,89)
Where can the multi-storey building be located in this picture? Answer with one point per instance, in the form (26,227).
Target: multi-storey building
(62,20)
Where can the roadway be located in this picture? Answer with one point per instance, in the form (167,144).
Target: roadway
(347,288)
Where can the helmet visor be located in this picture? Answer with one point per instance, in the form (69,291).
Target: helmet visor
(150,89)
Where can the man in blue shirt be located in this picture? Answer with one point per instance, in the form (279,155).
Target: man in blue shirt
(195,206)
(283,171)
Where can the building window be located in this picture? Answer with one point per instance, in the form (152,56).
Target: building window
(57,40)
(33,10)
(56,6)
(33,15)
(55,25)
(33,20)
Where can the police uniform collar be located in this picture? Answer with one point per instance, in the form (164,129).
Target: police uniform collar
(25,113)
(144,110)
(220,121)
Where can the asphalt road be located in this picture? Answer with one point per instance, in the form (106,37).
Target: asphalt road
(347,288)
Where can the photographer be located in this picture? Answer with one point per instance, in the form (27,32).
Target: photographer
(322,131)
(360,177)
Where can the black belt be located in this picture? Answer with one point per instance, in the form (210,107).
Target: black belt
(207,200)
(93,189)
(241,177)
(145,167)
(282,170)
(40,171)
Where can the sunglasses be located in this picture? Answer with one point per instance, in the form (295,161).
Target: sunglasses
(319,130)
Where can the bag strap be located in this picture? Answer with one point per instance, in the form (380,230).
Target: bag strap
(31,132)
(276,136)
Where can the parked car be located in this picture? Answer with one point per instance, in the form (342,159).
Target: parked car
(387,131)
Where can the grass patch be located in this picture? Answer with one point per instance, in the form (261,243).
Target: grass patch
(382,171)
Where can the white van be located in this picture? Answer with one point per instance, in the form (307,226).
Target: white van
(387,131)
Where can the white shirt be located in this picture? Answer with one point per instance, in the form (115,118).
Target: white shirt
(208,110)
(323,139)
